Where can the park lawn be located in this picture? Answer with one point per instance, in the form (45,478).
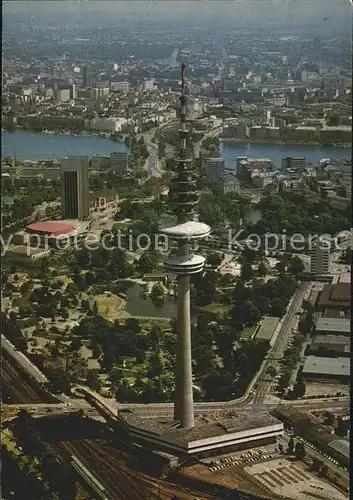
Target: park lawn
(147,323)
(221,309)
(108,306)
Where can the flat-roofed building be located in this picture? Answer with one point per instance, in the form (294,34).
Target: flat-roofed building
(319,368)
(267,329)
(208,437)
(25,253)
(333,326)
(330,345)
(336,134)
(296,162)
(336,297)
(340,448)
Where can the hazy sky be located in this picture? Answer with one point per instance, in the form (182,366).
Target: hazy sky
(257,11)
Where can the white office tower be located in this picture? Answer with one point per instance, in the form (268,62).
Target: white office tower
(320,257)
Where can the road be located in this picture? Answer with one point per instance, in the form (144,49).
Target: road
(262,386)
(45,409)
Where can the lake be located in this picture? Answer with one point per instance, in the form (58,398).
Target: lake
(138,306)
(27,145)
(275,152)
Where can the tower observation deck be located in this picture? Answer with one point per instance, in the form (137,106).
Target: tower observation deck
(183,263)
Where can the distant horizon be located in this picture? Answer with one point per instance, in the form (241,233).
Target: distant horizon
(231,12)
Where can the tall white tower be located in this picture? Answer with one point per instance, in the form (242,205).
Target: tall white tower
(183,263)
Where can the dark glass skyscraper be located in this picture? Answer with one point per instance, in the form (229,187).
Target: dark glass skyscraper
(74,187)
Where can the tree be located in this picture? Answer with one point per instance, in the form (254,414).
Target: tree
(214,259)
(329,418)
(281,267)
(95,308)
(296,266)
(85,305)
(278,308)
(155,336)
(290,448)
(299,389)
(342,427)
(149,261)
(93,380)
(246,271)
(316,465)
(76,344)
(65,314)
(299,450)
(157,293)
(262,269)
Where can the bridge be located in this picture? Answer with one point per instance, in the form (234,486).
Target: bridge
(97,399)
(165,409)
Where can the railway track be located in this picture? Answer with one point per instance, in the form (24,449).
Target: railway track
(17,384)
(108,464)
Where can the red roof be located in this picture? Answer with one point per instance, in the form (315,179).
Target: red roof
(55,228)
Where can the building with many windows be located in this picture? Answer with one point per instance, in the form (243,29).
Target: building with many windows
(213,168)
(74,187)
(319,259)
(119,162)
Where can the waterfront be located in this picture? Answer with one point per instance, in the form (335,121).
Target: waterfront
(26,145)
(275,152)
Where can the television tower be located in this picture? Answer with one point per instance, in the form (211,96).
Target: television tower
(183,263)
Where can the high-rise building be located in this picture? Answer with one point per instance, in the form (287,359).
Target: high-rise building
(74,187)
(320,257)
(183,263)
(87,79)
(147,85)
(63,95)
(213,169)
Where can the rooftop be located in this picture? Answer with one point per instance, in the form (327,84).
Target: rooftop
(206,427)
(267,328)
(335,295)
(339,325)
(54,228)
(327,366)
(340,445)
(334,340)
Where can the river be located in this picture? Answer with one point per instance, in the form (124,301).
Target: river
(27,145)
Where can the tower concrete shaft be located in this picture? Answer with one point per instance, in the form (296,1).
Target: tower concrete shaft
(184,198)
(184,403)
